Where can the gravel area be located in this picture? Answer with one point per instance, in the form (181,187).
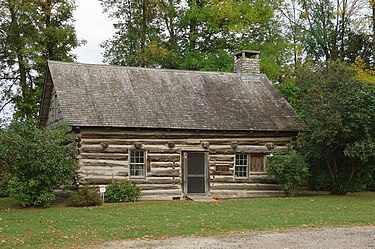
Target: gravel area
(345,237)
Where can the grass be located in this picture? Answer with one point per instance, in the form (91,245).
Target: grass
(65,227)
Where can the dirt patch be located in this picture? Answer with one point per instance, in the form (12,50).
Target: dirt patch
(347,237)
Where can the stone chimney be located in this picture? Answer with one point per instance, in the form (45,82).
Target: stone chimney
(246,62)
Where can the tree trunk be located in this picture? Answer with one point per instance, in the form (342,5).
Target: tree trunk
(15,36)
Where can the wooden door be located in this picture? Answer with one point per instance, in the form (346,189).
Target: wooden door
(195,173)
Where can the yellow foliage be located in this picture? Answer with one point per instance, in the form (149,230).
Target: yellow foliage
(363,72)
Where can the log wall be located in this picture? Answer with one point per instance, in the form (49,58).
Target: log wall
(103,156)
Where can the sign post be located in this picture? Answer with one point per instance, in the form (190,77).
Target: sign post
(102,189)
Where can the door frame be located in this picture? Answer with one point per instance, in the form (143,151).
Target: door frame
(206,172)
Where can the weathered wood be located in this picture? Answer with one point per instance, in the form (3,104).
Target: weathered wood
(245,186)
(103,156)
(109,149)
(101,179)
(103,163)
(230,163)
(196,142)
(164,169)
(165,164)
(161,192)
(246,193)
(222,173)
(157,180)
(159,186)
(89,173)
(163,157)
(124,133)
(228,158)
(251,179)
(164,172)
(101,168)
(161,150)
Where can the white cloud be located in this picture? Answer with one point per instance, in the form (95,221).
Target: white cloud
(93,26)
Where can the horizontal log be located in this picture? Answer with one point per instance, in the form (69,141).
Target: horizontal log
(103,156)
(90,173)
(245,186)
(251,179)
(228,173)
(164,172)
(179,142)
(104,169)
(101,179)
(230,163)
(161,149)
(246,193)
(116,133)
(110,149)
(222,157)
(163,157)
(161,192)
(159,186)
(165,164)
(157,180)
(102,163)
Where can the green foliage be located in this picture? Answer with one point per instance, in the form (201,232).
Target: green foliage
(292,93)
(122,192)
(4,188)
(339,108)
(194,35)
(85,197)
(30,33)
(289,169)
(36,161)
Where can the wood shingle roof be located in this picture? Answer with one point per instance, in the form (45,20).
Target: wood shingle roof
(113,96)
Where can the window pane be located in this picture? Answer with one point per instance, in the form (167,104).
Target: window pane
(241,165)
(137,165)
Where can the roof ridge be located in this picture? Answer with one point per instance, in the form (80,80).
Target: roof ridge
(140,68)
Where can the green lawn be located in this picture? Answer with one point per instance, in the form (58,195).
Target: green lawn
(60,226)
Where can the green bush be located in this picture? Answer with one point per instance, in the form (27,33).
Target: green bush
(36,161)
(122,192)
(85,197)
(4,188)
(289,169)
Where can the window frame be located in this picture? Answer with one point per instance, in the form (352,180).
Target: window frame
(246,165)
(131,164)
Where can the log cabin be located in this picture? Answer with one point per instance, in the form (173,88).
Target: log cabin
(176,134)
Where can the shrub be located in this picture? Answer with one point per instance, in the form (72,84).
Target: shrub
(4,188)
(290,170)
(85,197)
(122,192)
(36,161)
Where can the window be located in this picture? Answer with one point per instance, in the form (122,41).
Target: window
(137,164)
(241,165)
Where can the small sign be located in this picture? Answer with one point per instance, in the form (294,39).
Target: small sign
(102,188)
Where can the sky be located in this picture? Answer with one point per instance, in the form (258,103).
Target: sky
(93,26)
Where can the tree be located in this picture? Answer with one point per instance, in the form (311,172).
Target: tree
(339,108)
(36,161)
(30,33)
(194,34)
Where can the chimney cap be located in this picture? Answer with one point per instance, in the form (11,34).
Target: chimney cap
(247,54)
